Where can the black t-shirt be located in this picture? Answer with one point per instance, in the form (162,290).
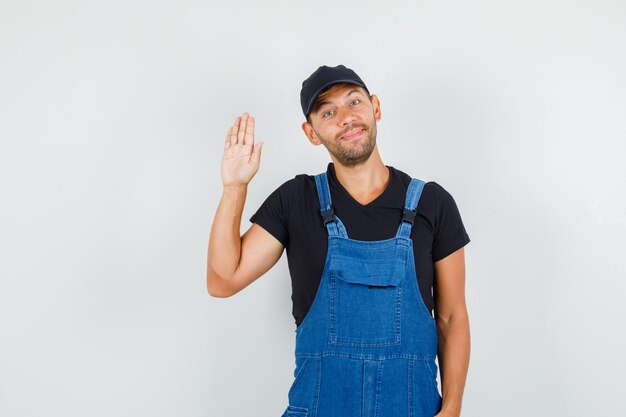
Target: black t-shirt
(291,214)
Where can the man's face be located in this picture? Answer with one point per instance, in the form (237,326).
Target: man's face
(345,124)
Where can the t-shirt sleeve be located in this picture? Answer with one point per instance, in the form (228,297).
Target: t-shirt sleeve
(271,216)
(450,233)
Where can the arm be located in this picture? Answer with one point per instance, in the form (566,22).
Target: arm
(452,329)
(233,262)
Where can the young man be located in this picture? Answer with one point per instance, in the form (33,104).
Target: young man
(366,245)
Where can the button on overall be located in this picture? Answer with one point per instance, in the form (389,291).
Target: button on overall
(367,346)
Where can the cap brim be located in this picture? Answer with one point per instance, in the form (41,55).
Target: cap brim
(319,90)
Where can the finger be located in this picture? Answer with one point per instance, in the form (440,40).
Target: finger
(233,131)
(248,138)
(242,128)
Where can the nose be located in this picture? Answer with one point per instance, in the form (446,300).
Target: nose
(346,116)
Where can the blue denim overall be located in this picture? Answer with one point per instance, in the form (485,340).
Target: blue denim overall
(367,346)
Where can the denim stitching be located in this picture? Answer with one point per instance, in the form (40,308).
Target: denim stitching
(379,377)
(317,385)
(363,385)
(392,340)
(331,353)
(332,307)
(410,389)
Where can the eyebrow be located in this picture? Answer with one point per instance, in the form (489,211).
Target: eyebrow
(322,103)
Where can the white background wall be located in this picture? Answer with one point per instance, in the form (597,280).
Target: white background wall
(112,121)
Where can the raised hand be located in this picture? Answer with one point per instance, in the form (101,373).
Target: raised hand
(242,157)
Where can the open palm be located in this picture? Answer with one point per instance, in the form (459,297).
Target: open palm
(242,157)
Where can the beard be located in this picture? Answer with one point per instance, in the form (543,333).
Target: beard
(351,153)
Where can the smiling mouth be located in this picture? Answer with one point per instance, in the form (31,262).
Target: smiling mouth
(353,134)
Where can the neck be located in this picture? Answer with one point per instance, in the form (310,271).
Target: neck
(366,181)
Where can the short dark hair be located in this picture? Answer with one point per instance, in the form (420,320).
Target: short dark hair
(316,104)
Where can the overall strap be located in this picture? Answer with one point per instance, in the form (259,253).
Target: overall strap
(413,194)
(332,222)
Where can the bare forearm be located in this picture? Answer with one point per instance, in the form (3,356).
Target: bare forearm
(454,354)
(240,162)
(225,239)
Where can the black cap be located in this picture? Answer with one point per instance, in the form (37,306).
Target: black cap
(322,78)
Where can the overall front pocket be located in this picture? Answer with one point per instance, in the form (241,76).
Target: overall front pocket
(365,303)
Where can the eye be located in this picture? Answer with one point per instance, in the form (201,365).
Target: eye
(357,100)
(326,113)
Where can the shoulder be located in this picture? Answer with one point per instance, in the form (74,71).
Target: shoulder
(439,193)
(297,184)
(432,190)
(279,207)
(440,211)
(288,192)
(436,203)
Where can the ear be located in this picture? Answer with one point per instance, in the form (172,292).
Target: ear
(310,133)
(376,104)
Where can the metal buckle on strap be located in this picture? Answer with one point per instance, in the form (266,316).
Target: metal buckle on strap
(408,216)
(328,215)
